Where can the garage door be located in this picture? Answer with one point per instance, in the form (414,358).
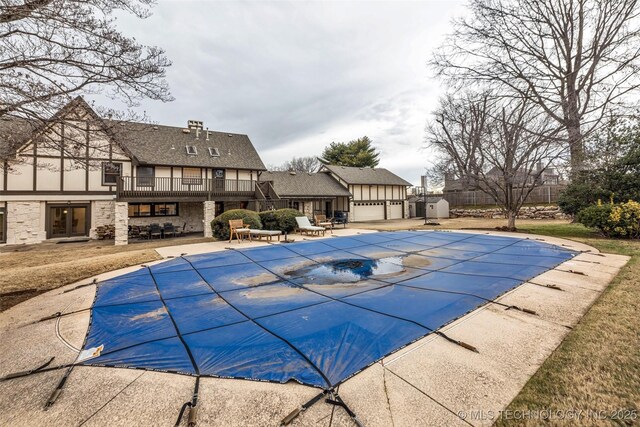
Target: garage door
(395,211)
(368,211)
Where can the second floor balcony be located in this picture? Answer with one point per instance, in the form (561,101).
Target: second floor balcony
(206,189)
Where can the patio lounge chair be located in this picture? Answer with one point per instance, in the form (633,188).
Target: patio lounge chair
(322,221)
(239,228)
(304,226)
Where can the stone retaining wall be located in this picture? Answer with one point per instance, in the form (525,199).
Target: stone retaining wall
(526,212)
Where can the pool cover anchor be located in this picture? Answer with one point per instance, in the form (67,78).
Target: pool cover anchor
(336,400)
(458,342)
(58,390)
(296,412)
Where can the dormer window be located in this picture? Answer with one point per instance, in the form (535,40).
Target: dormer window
(192,150)
(213,152)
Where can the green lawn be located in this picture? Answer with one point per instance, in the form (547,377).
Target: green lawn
(596,369)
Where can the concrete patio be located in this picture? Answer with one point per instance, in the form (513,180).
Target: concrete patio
(430,382)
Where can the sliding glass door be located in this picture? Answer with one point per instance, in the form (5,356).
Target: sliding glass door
(68,221)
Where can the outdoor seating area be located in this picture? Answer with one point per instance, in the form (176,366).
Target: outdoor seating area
(156,231)
(322,221)
(238,228)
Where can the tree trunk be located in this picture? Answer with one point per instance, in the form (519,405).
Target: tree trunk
(574,131)
(576,148)
(511,220)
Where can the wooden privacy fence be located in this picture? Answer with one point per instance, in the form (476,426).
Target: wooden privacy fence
(542,194)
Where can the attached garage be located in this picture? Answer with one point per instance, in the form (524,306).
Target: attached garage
(395,210)
(368,211)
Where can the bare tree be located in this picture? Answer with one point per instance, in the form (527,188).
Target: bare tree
(574,58)
(52,51)
(502,148)
(308,164)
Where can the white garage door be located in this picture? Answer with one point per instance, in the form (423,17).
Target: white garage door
(368,211)
(395,211)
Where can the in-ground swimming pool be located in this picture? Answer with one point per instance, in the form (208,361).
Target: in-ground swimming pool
(315,312)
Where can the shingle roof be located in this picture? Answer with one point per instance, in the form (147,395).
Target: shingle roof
(303,184)
(166,145)
(377,176)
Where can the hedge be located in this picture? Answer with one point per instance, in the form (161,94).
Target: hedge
(281,219)
(220,224)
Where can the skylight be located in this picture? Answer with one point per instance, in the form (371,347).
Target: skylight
(192,150)
(213,152)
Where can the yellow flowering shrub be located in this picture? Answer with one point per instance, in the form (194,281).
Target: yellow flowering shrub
(613,220)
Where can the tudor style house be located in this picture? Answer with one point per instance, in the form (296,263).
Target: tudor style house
(81,173)
(376,192)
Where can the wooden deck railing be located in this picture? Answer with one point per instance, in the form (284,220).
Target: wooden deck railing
(183,187)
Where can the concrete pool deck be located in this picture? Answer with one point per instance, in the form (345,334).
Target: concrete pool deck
(430,382)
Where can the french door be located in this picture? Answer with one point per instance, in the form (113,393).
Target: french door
(68,221)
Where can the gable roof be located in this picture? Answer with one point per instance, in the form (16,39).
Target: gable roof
(147,143)
(304,184)
(377,176)
(166,145)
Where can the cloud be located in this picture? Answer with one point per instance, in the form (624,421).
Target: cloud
(295,76)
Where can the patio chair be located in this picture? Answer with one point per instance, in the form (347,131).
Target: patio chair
(169,228)
(340,217)
(155,230)
(322,221)
(181,231)
(239,228)
(143,232)
(304,226)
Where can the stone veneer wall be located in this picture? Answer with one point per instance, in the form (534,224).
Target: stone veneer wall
(526,212)
(122,223)
(308,209)
(25,222)
(189,213)
(209,213)
(102,213)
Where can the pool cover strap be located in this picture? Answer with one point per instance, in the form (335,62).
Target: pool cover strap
(29,372)
(296,412)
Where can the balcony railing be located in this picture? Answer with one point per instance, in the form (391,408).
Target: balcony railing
(184,187)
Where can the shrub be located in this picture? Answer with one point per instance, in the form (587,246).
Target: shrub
(579,195)
(281,219)
(613,220)
(269,220)
(220,224)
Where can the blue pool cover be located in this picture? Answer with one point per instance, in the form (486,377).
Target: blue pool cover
(316,312)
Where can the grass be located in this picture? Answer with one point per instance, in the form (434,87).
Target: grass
(597,367)
(30,270)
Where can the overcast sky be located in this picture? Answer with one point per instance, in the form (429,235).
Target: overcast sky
(296,76)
